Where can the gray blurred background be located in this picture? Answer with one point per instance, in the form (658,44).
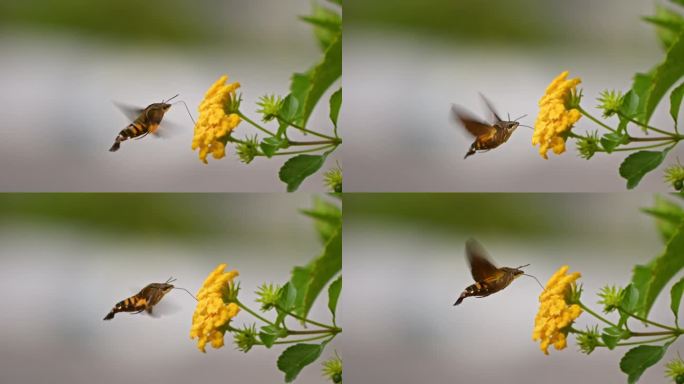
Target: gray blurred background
(406,62)
(405,254)
(66,260)
(63,63)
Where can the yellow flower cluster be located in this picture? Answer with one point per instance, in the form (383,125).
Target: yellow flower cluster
(214,123)
(555,315)
(212,312)
(554,118)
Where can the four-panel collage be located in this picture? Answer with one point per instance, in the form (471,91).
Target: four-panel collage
(182,190)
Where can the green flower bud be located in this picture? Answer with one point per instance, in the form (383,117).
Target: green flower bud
(270,107)
(611,298)
(588,145)
(268,296)
(610,102)
(589,340)
(248,150)
(246,338)
(675,369)
(674,175)
(333,179)
(332,368)
(574,99)
(232,103)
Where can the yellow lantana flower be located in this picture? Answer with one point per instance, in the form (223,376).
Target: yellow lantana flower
(555,315)
(554,117)
(217,119)
(212,313)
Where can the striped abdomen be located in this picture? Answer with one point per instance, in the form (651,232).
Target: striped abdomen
(135,303)
(477,289)
(133,130)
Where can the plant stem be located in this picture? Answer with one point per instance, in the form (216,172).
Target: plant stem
(596,315)
(251,312)
(320,142)
(302,151)
(649,127)
(257,126)
(646,334)
(646,341)
(636,148)
(301,340)
(330,327)
(306,130)
(595,120)
(311,332)
(650,138)
(678,331)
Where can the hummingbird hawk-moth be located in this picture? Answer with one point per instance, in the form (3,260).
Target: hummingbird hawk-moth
(144,300)
(145,121)
(488,278)
(487,136)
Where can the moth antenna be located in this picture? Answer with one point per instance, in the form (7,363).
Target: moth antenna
(171,98)
(193,296)
(525,115)
(526,126)
(538,282)
(509,116)
(170,280)
(187,109)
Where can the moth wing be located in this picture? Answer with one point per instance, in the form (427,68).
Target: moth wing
(480,266)
(491,108)
(473,125)
(131,112)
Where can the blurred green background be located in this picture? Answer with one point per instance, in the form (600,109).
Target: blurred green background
(66,259)
(406,256)
(406,62)
(65,62)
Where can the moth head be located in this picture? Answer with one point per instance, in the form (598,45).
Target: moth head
(510,126)
(165,287)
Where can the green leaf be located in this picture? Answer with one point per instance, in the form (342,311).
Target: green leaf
(327,24)
(638,164)
(296,357)
(668,216)
(270,145)
(666,75)
(676,298)
(299,87)
(669,23)
(334,294)
(335,104)
(612,140)
(676,102)
(630,303)
(612,335)
(328,217)
(323,269)
(641,276)
(269,334)
(288,297)
(339,2)
(289,112)
(664,268)
(298,168)
(638,359)
(267,338)
(634,103)
(300,279)
(323,76)
(330,24)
